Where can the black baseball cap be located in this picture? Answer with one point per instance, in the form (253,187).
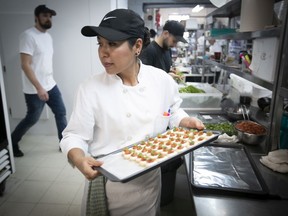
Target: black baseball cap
(119,24)
(43,9)
(176,29)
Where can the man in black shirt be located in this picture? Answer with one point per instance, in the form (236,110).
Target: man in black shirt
(158,53)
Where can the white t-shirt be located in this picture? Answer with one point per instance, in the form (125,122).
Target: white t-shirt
(40,46)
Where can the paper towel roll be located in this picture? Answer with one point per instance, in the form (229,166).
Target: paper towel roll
(256,14)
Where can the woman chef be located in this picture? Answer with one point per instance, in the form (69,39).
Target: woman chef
(119,107)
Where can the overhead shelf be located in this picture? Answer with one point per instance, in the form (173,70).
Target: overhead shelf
(244,75)
(271,32)
(231,9)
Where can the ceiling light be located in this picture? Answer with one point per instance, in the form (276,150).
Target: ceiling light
(197,8)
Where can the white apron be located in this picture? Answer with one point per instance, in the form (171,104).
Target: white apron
(144,193)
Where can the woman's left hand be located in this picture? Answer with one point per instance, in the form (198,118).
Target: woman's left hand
(192,122)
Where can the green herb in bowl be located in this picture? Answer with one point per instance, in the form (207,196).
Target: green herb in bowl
(224,127)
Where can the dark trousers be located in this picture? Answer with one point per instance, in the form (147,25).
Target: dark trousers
(34,109)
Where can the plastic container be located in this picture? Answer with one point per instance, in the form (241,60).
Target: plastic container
(209,100)
(259,92)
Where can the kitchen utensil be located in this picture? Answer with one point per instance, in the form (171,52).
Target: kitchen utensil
(234,113)
(237,113)
(212,173)
(245,112)
(246,100)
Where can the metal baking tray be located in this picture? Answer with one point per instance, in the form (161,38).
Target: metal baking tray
(118,169)
(225,169)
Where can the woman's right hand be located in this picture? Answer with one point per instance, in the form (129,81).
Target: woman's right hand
(85,164)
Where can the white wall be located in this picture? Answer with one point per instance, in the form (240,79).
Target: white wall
(137,5)
(75,56)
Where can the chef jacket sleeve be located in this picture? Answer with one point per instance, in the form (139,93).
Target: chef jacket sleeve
(79,131)
(177,113)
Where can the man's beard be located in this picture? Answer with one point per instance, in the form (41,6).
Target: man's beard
(46,25)
(165,44)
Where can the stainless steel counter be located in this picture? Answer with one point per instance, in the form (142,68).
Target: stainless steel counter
(213,204)
(221,204)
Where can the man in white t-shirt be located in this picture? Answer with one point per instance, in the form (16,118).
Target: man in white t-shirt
(39,86)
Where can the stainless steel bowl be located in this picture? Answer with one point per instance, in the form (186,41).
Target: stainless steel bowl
(250,132)
(234,113)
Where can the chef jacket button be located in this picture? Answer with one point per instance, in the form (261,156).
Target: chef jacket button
(125,90)
(129,138)
(128,115)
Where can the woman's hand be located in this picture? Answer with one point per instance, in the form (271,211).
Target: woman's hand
(86,167)
(85,164)
(192,122)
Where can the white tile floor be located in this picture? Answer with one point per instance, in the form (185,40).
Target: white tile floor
(45,184)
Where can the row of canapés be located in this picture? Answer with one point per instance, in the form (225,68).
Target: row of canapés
(164,146)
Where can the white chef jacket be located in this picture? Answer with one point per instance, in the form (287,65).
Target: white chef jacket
(109,115)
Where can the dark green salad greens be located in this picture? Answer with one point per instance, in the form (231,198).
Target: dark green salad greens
(191,89)
(224,127)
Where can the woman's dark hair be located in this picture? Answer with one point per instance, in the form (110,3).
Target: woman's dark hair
(152,33)
(132,41)
(146,39)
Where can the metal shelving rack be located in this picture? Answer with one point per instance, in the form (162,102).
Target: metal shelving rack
(280,91)
(245,75)
(279,86)
(7,166)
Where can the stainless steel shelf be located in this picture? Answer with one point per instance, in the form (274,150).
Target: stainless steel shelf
(278,86)
(272,32)
(231,9)
(244,75)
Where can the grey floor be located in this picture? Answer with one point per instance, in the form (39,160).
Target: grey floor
(45,184)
